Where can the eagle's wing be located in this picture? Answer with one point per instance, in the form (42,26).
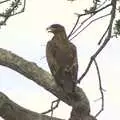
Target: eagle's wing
(74,67)
(50,51)
(64,72)
(71,71)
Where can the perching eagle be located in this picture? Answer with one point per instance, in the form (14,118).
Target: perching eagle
(62,58)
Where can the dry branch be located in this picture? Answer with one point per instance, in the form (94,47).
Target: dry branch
(101,89)
(11,10)
(106,40)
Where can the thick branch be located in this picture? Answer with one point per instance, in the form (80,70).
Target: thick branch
(32,71)
(11,111)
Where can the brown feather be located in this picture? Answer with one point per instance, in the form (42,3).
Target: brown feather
(62,60)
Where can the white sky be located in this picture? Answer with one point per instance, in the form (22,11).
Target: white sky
(26,35)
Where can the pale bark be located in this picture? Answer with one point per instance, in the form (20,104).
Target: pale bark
(11,111)
(79,103)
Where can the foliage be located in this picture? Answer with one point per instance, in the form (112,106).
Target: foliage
(117,28)
(13,8)
(117,22)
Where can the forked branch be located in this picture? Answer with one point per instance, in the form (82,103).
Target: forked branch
(107,39)
(12,10)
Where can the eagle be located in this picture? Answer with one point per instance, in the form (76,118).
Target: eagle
(62,58)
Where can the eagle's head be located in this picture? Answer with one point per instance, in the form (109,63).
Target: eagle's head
(56,28)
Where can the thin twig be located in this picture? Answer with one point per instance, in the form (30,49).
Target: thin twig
(82,24)
(4,1)
(102,4)
(107,39)
(42,58)
(94,11)
(89,24)
(100,87)
(2,15)
(74,27)
(80,15)
(6,16)
(103,35)
(97,99)
(52,107)
(22,10)
(9,14)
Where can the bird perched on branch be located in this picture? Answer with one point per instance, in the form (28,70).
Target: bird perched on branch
(62,58)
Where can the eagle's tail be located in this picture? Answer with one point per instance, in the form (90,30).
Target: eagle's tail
(69,84)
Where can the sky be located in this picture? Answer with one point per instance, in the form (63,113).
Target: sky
(26,36)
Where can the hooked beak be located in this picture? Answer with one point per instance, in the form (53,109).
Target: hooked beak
(50,29)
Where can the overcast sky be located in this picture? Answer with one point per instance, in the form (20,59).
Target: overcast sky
(26,36)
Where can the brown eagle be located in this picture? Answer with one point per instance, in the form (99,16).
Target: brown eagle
(62,58)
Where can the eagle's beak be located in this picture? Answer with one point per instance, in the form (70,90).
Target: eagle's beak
(50,29)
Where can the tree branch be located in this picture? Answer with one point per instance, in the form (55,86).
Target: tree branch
(89,24)
(52,107)
(82,23)
(94,12)
(11,111)
(107,39)
(74,27)
(4,1)
(33,72)
(100,87)
(9,12)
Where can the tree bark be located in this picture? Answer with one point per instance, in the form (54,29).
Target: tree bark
(79,101)
(11,111)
